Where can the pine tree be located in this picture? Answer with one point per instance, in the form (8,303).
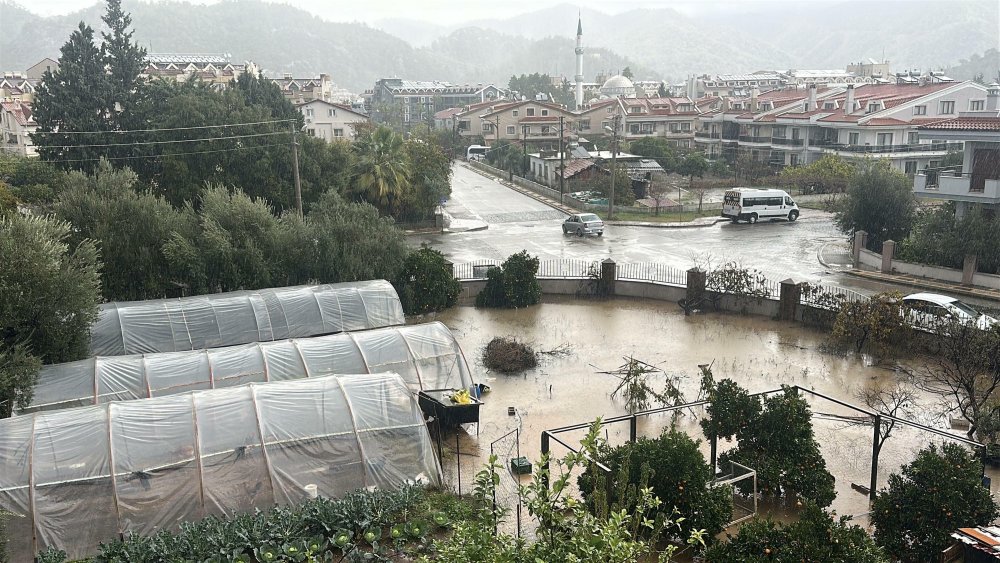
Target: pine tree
(73,98)
(125,61)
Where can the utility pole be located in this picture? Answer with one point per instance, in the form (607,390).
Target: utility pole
(562,157)
(295,169)
(524,147)
(614,160)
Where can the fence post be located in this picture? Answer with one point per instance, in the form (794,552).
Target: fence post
(969,267)
(875,450)
(633,428)
(888,250)
(696,278)
(788,301)
(608,275)
(450,266)
(860,238)
(545,466)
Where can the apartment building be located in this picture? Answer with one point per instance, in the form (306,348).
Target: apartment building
(416,101)
(16,126)
(529,121)
(671,118)
(977,182)
(330,121)
(301,90)
(792,127)
(215,69)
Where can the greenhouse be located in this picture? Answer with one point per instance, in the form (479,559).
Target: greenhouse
(425,355)
(75,477)
(228,319)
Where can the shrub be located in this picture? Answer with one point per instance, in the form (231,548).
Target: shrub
(506,355)
(678,475)
(513,284)
(815,536)
(426,283)
(939,491)
(874,325)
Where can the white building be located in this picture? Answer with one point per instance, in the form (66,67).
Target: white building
(16,126)
(329,121)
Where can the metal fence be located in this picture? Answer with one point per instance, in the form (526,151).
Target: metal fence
(651,272)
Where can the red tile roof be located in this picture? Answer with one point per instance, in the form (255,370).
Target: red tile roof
(21,112)
(575,166)
(880,121)
(967,124)
(446,113)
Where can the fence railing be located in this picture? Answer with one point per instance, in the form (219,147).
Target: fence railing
(651,272)
(566,269)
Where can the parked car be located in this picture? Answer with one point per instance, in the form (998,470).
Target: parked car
(930,310)
(583,224)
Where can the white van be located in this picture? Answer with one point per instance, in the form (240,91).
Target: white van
(751,205)
(476,152)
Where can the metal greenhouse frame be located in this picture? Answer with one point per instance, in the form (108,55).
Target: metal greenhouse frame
(76,477)
(427,356)
(227,319)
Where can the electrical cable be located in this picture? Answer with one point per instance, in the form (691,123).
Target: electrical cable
(170,142)
(165,129)
(168,154)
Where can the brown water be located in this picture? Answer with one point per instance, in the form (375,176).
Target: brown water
(758,353)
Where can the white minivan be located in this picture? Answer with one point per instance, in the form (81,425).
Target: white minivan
(752,205)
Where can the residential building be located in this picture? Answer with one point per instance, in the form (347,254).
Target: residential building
(16,126)
(301,90)
(17,87)
(37,70)
(529,121)
(414,101)
(671,118)
(579,163)
(217,70)
(871,69)
(330,121)
(977,182)
(730,85)
(792,127)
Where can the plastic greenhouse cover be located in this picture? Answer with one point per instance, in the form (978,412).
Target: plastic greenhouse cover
(228,319)
(75,477)
(425,355)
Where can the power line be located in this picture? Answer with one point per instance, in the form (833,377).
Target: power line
(164,129)
(168,154)
(174,141)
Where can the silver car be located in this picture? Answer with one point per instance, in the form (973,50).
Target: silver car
(583,224)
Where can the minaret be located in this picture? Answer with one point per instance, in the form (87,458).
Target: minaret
(579,64)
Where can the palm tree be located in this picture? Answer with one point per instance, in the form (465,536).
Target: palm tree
(382,173)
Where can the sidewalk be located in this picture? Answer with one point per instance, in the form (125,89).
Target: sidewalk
(928,284)
(700,222)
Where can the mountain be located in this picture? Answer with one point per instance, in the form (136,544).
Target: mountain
(987,64)
(281,39)
(415,32)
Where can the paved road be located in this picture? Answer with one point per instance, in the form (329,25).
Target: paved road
(516,222)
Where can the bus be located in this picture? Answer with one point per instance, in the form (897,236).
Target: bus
(476,152)
(752,204)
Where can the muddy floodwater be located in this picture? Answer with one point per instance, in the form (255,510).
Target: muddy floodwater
(597,336)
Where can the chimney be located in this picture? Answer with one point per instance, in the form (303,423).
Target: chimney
(811,104)
(849,103)
(993,97)
(287,76)
(754,92)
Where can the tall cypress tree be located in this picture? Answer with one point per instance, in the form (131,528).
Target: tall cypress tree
(125,60)
(73,98)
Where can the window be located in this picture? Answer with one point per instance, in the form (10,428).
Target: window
(910,167)
(794,159)
(583,125)
(604,125)
(872,107)
(977,105)
(338,132)
(487,127)
(795,132)
(514,113)
(545,112)
(309,112)
(634,128)
(331,112)
(685,126)
(884,139)
(635,109)
(311,132)
(510,129)
(530,112)
(919,110)
(545,129)
(853,138)
(610,109)
(947,107)
(828,105)
(911,138)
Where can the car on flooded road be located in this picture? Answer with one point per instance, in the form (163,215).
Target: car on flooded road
(581,224)
(932,310)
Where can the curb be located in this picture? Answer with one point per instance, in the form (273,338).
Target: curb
(825,264)
(691,225)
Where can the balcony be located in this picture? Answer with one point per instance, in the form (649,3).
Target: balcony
(786,141)
(752,139)
(937,183)
(889,149)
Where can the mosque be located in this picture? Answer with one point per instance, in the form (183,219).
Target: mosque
(613,87)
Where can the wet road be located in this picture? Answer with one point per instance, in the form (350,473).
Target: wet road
(779,249)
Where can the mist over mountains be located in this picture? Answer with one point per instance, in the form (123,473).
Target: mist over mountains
(654,43)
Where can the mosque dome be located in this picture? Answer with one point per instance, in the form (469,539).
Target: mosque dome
(617,85)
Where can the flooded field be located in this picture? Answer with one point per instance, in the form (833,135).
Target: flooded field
(565,389)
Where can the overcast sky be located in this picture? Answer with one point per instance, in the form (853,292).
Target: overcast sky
(445,11)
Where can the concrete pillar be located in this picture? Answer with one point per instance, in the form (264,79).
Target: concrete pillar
(888,250)
(969,268)
(439,217)
(608,275)
(450,266)
(696,278)
(788,302)
(860,238)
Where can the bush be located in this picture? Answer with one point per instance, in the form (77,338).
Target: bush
(513,285)
(815,536)
(678,475)
(426,283)
(874,325)
(939,491)
(507,355)
(775,438)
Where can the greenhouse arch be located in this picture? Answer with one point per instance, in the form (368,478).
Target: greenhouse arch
(76,477)
(427,356)
(241,317)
